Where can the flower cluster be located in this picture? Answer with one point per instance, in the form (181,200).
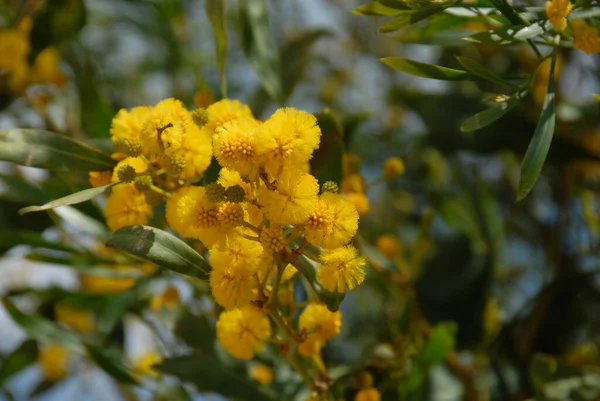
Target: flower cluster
(262,212)
(585,36)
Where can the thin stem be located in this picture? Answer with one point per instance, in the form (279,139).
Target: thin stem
(160,191)
(250,226)
(274,313)
(275,289)
(301,369)
(249,237)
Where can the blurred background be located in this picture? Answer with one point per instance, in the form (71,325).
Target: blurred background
(471,296)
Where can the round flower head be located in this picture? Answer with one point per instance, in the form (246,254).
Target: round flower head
(293,200)
(54,360)
(126,128)
(320,324)
(368,394)
(287,139)
(235,143)
(242,332)
(393,168)
(236,254)
(46,68)
(360,202)
(225,110)
(261,373)
(196,150)
(389,246)
(333,222)
(341,268)
(181,210)
(100,178)
(557,11)
(126,206)
(138,164)
(164,127)
(230,178)
(587,39)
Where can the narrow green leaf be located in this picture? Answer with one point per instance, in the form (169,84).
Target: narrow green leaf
(215,9)
(375,8)
(42,329)
(259,45)
(428,70)
(32,238)
(540,142)
(332,300)
(406,18)
(49,150)
(208,373)
(510,13)
(71,199)
(162,248)
(488,116)
(197,332)
(481,71)
(19,359)
(507,35)
(111,365)
(581,13)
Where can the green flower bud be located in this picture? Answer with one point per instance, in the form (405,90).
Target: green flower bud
(200,116)
(126,173)
(330,186)
(143,182)
(235,194)
(215,192)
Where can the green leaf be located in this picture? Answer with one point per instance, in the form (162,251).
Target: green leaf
(327,163)
(31,238)
(540,143)
(441,340)
(428,70)
(259,46)
(506,9)
(332,300)
(375,8)
(542,370)
(45,149)
(162,248)
(481,71)
(110,364)
(208,373)
(19,359)
(215,9)
(406,18)
(488,116)
(57,21)
(42,329)
(507,35)
(71,199)
(197,332)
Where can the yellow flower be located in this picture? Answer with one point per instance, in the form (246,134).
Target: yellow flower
(100,178)
(46,68)
(557,11)
(293,200)
(351,163)
(225,110)
(393,168)
(368,394)
(261,373)
(126,132)
(341,268)
(126,206)
(354,183)
(320,324)
(287,140)
(203,99)
(14,47)
(144,364)
(230,178)
(273,238)
(106,284)
(235,146)
(53,360)
(587,39)
(333,222)
(389,246)
(288,273)
(242,332)
(196,150)
(169,298)
(138,164)
(233,279)
(78,319)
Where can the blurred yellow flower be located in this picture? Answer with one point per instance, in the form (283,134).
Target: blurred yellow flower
(587,39)
(368,394)
(169,298)
(389,246)
(100,178)
(261,373)
(557,12)
(79,320)
(242,332)
(46,68)
(144,364)
(392,168)
(53,360)
(360,202)
(320,325)
(126,206)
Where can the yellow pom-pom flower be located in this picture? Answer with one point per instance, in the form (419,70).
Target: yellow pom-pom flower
(586,39)
(126,206)
(287,140)
(261,373)
(46,68)
(389,246)
(233,278)
(341,268)
(320,324)
(557,12)
(368,394)
(235,146)
(230,178)
(360,202)
(196,150)
(393,168)
(126,128)
(169,298)
(138,163)
(293,200)
(242,332)
(273,239)
(333,222)
(53,360)
(225,110)
(100,178)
